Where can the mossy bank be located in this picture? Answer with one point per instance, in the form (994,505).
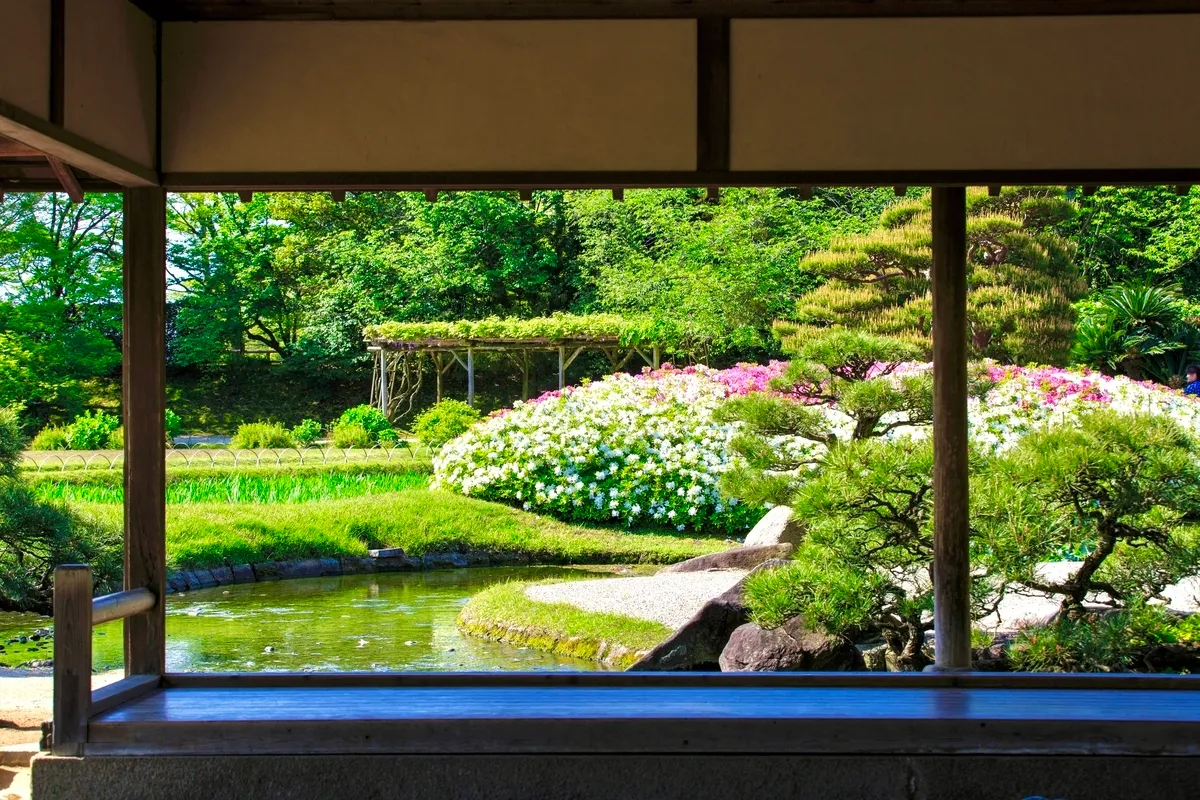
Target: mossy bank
(505,613)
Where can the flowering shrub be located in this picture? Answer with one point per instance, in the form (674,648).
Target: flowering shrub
(646,449)
(639,450)
(1023,399)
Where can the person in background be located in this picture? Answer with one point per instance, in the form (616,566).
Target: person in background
(1193,381)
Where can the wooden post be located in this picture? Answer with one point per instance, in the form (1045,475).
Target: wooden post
(437,368)
(470,376)
(72,657)
(383,383)
(144,401)
(524,374)
(657,356)
(562,368)
(951,532)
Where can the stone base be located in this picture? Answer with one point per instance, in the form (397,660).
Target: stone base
(605,777)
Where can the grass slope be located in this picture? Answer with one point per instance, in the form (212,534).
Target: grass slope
(418,520)
(504,613)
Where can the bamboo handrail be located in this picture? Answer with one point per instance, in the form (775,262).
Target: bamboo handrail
(120,605)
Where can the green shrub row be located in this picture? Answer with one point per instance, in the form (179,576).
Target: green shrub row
(93,431)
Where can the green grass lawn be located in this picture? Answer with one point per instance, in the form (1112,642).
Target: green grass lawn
(257,485)
(419,520)
(505,613)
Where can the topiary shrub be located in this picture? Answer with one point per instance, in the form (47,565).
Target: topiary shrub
(91,431)
(261,435)
(52,437)
(372,420)
(444,421)
(346,435)
(307,432)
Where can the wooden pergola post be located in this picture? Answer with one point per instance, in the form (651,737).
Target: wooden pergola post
(470,376)
(562,368)
(524,374)
(144,402)
(951,531)
(384,400)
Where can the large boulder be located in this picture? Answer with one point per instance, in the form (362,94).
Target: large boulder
(737,558)
(792,647)
(777,527)
(699,642)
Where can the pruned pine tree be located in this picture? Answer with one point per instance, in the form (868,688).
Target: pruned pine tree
(1022,279)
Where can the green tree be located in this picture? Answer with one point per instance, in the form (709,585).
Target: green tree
(1146,234)
(1022,279)
(1119,492)
(233,286)
(60,268)
(727,268)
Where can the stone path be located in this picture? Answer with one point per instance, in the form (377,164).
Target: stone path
(1017,610)
(669,598)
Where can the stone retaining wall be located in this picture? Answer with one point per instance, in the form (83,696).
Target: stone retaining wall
(391,560)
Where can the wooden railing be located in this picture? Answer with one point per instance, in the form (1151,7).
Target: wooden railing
(75,614)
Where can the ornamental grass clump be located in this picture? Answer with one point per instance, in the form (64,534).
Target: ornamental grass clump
(632,450)
(261,435)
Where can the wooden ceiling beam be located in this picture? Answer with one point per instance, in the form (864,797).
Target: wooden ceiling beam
(10,148)
(66,177)
(201,10)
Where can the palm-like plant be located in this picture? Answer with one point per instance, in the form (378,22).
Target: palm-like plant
(1137,329)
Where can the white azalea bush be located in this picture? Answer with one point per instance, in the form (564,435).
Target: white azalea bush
(645,450)
(628,449)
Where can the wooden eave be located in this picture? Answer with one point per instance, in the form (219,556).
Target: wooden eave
(26,169)
(246,10)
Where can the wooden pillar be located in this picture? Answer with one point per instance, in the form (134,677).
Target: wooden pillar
(383,383)
(72,657)
(657,356)
(144,401)
(437,368)
(951,532)
(562,368)
(524,374)
(470,376)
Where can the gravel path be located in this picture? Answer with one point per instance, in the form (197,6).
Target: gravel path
(671,598)
(25,700)
(1017,610)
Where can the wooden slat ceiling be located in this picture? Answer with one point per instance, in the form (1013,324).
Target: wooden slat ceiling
(195,10)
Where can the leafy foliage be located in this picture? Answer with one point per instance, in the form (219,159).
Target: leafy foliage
(91,431)
(368,417)
(307,432)
(52,437)
(1120,490)
(1139,330)
(444,421)
(346,435)
(260,435)
(1113,642)
(556,328)
(1022,279)
(36,536)
(60,268)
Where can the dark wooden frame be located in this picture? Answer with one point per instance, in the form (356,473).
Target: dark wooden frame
(208,10)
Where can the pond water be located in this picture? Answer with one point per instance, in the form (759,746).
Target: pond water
(391,621)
